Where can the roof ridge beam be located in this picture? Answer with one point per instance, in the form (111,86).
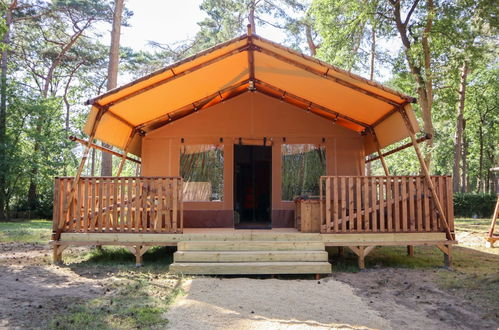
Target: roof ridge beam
(251,59)
(325,75)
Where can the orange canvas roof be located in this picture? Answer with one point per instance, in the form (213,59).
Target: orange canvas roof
(247,63)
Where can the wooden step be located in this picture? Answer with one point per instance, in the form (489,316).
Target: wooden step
(250,246)
(251,268)
(248,256)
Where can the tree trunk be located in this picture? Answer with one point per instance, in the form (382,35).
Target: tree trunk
(458,137)
(464,174)
(310,40)
(373,51)
(112,75)
(480,185)
(371,77)
(3,110)
(421,72)
(251,16)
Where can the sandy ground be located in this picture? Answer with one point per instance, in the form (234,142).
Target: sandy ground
(242,303)
(374,299)
(33,290)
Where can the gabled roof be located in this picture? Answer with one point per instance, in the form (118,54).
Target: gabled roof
(247,63)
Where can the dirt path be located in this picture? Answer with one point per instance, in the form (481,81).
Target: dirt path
(410,299)
(379,299)
(33,290)
(242,303)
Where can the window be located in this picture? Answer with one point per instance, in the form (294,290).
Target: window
(301,169)
(202,167)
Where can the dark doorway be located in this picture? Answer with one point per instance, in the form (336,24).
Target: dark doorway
(252,186)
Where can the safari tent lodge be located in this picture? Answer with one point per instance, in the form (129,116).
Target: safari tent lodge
(252,160)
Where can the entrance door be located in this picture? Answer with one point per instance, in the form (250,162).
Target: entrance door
(252,186)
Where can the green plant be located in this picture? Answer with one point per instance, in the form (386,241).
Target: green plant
(474,205)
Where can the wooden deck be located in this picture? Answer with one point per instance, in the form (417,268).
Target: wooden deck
(232,239)
(360,213)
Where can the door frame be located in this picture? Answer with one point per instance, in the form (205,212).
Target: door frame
(234,185)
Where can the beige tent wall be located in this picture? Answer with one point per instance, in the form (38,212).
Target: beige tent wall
(250,116)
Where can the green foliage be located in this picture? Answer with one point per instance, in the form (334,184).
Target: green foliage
(474,205)
(134,302)
(32,231)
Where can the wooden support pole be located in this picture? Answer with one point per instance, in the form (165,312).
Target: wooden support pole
(380,155)
(402,147)
(95,146)
(76,180)
(426,172)
(494,218)
(125,152)
(491,239)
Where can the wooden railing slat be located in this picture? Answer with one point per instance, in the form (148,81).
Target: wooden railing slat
(335,203)
(343,204)
(389,205)
(412,212)
(419,205)
(174,203)
(381,199)
(328,204)
(351,221)
(404,199)
(365,187)
(358,204)
(374,201)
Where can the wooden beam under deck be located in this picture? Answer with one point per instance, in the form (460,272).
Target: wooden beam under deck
(360,244)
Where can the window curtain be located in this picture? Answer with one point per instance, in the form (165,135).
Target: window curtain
(302,167)
(202,168)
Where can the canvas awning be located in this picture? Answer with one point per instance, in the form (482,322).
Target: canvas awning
(248,63)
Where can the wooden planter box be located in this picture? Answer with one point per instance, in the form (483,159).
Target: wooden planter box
(307,215)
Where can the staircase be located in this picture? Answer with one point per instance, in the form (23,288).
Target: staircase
(250,257)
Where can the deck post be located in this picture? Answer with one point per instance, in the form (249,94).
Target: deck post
(447,250)
(57,250)
(88,146)
(410,250)
(361,252)
(431,186)
(138,251)
(125,151)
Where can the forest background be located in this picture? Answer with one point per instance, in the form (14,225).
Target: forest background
(443,52)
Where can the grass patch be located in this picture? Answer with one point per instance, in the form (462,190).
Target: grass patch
(31,231)
(157,258)
(134,300)
(480,225)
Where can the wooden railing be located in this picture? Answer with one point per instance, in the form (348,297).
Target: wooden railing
(119,204)
(361,204)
